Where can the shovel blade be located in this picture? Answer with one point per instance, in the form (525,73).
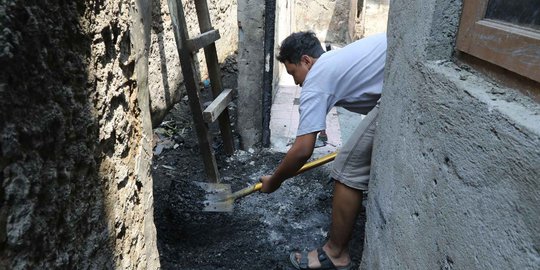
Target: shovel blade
(216,197)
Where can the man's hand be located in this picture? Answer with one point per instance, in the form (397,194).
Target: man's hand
(295,158)
(269,185)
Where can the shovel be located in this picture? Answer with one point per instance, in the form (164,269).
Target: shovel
(220,199)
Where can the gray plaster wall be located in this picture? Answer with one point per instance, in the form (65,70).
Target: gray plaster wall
(75,136)
(456,162)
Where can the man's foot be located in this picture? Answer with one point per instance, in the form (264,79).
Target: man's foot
(319,259)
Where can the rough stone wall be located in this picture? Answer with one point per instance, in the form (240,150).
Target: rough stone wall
(75,134)
(456,162)
(165,78)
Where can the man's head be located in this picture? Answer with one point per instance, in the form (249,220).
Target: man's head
(298,52)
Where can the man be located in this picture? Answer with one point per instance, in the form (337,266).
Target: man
(351,77)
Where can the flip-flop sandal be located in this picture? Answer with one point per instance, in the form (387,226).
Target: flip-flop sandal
(319,143)
(326,263)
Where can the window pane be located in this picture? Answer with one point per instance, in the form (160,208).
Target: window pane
(521,12)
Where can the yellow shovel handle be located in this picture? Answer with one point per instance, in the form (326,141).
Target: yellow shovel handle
(245,191)
(317,162)
(308,166)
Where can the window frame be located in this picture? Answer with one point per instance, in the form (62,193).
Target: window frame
(512,47)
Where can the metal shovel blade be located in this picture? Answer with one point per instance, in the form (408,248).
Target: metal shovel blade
(216,197)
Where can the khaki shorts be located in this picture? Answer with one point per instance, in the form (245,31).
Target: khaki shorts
(353,162)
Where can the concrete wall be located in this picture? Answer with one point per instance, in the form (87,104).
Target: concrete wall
(285,25)
(372,17)
(328,19)
(456,168)
(75,136)
(250,70)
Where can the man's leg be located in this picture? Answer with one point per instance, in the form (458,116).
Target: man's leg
(346,205)
(351,173)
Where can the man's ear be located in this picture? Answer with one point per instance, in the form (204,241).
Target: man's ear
(306,59)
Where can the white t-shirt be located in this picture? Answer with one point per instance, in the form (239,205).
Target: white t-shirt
(350,77)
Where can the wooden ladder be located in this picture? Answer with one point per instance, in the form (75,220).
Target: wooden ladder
(218,108)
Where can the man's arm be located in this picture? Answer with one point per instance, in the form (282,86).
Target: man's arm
(295,158)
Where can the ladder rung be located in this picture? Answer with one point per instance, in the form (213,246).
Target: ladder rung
(202,40)
(212,112)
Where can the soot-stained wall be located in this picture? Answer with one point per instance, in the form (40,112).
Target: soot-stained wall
(75,136)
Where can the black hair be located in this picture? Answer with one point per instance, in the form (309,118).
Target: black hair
(297,44)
